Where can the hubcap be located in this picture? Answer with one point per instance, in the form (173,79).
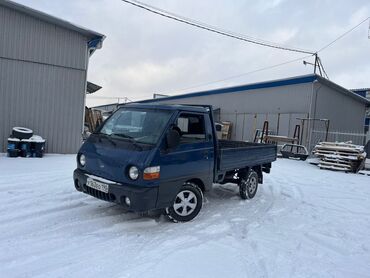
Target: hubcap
(185,203)
(252,185)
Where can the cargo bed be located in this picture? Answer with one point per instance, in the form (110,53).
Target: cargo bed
(237,154)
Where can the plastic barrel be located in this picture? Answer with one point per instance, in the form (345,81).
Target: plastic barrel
(13,147)
(37,146)
(25,148)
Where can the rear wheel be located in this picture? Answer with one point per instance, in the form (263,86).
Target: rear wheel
(248,186)
(187,204)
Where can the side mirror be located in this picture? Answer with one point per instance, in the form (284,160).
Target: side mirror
(172,138)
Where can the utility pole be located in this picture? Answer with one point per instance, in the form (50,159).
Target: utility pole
(317,66)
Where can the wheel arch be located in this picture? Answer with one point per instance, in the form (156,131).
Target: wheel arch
(258,170)
(198,182)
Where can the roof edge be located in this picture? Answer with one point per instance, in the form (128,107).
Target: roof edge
(360,90)
(343,90)
(235,89)
(51,19)
(108,104)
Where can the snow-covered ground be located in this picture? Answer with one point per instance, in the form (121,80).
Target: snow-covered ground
(303,222)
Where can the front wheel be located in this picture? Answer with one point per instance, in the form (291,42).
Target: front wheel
(248,186)
(187,203)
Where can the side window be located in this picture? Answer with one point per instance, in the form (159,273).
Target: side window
(192,128)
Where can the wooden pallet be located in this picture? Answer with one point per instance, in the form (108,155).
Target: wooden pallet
(93,118)
(226,130)
(334,167)
(340,156)
(343,155)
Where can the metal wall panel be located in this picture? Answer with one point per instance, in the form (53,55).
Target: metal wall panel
(47,99)
(315,100)
(284,99)
(266,103)
(345,113)
(23,37)
(42,80)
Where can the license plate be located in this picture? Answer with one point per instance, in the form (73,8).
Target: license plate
(97,185)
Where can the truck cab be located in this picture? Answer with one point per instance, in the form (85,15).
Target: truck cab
(149,157)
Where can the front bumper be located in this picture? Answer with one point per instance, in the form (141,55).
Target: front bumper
(142,198)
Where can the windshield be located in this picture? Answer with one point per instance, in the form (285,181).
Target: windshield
(140,125)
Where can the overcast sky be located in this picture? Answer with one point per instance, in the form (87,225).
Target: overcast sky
(145,54)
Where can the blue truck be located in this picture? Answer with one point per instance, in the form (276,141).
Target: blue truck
(164,157)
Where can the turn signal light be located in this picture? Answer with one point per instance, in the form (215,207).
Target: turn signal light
(151,173)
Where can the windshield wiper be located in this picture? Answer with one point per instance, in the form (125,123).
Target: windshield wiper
(122,135)
(130,138)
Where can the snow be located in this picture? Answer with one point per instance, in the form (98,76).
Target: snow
(14,140)
(303,222)
(36,139)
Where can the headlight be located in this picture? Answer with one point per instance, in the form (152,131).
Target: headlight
(133,172)
(82,160)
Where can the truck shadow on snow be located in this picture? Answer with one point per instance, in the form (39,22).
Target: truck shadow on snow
(221,199)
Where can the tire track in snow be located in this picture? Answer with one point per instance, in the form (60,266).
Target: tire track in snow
(97,240)
(326,242)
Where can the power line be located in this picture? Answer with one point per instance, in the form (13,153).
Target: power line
(241,37)
(249,39)
(344,34)
(319,62)
(213,29)
(215,81)
(242,74)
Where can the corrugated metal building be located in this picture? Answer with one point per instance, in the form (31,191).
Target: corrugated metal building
(365,92)
(43,68)
(281,102)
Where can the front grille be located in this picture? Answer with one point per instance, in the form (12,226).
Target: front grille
(100,195)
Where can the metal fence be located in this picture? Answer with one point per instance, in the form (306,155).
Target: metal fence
(334,136)
(245,125)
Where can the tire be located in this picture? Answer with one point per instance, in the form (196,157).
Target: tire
(189,198)
(22,133)
(248,186)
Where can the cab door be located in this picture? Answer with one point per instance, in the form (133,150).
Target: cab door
(193,158)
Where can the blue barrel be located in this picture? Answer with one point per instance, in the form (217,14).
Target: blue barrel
(13,147)
(37,146)
(25,148)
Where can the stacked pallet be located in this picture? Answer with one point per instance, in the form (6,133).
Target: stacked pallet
(340,156)
(93,118)
(226,130)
